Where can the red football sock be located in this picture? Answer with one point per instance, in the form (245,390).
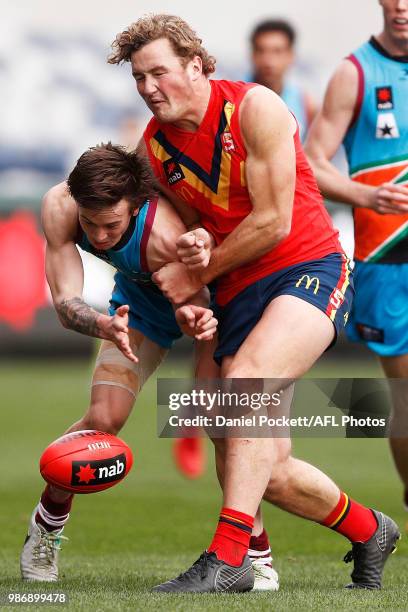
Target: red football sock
(351,519)
(231,539)
(50,514)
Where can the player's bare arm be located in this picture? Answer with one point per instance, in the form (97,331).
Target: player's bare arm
(188,215)
(270,171)
(195,318)
(65,274)
(326,135)
(170,241)
(311,108)
(194,247)
(270,174)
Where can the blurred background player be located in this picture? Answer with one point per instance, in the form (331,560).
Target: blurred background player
(273,55)
(365,108)
(189,456)
(109,209)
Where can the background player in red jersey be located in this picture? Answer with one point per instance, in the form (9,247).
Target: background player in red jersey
(229,156)
(365,107)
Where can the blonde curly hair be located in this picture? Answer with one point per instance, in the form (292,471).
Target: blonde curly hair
(180,35)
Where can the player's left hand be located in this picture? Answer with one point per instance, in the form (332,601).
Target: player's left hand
(176,282)
(196,321)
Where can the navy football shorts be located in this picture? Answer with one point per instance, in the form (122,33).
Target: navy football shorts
(326,283)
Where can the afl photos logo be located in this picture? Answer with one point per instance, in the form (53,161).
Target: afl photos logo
(173,171)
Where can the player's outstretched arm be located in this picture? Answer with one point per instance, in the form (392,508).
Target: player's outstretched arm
(65,274)
(326,135)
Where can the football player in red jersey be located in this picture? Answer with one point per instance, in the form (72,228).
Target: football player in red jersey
(229,157)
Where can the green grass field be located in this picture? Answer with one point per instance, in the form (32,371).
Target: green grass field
(155,523)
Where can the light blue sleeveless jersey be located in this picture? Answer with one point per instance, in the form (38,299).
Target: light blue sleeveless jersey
(376,146)
(380,131)
(150,312)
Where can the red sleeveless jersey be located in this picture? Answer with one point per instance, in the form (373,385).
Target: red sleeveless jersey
(206,169)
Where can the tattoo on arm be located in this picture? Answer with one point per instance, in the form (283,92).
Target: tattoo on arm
(77,315)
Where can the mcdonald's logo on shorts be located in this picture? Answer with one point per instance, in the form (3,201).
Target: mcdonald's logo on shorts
(309,281)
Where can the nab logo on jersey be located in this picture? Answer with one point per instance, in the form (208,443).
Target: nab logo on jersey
(383,96)
(173,171)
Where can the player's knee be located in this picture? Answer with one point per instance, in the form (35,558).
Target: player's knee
(276,487)
(241,371)
(280,475)
(283,450)
(251,368)
(102,421)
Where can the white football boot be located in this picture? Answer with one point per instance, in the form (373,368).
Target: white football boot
(39,557)
(266,578)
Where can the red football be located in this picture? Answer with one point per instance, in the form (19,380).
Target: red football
(86,461)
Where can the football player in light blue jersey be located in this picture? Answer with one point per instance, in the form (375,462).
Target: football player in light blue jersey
(273,54)
(109,208)
(365,107)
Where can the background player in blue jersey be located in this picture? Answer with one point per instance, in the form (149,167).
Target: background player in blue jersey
(273,54)
(109,208)
(365,107)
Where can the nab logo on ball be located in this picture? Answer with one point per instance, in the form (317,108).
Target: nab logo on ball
(96,472)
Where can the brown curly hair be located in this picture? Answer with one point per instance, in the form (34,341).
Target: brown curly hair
(181,36)
(105,174)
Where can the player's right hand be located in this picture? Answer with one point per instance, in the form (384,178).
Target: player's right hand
(117,331)
(194,249)
(196,321)
(389,199)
